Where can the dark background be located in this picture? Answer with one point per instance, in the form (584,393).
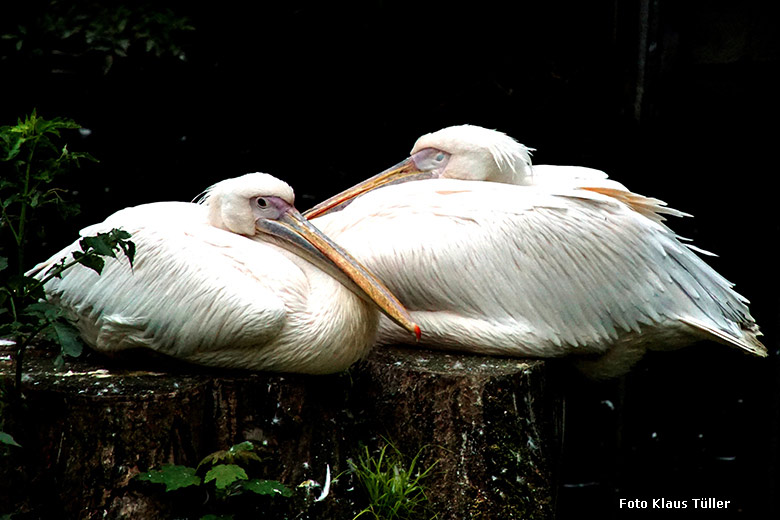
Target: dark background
(677,100)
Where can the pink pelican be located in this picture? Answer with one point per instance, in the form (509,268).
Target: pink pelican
(238,281)
(543,261)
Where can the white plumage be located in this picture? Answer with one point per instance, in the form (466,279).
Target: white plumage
(542,262)
(210,286)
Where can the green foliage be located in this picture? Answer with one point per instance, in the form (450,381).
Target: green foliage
(267,487)
(224,474)
(8,440)
(242,453)
(32,157)
(395,489)
(22,297)
(109,32)
(173,477)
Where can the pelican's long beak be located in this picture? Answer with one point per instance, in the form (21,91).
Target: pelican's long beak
(293,228)
(404,171)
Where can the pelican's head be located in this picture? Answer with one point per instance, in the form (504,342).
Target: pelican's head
(236,204)
(464,152)
(261,206)
(472,153)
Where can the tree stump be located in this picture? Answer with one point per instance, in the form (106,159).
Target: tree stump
(492,427)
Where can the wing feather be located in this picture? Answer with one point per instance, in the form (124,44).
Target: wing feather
(507,269)
(192,289)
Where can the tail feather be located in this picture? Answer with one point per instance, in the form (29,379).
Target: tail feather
(650,207)
(748,342)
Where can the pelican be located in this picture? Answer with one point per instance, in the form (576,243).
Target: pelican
(469,152)
(238,281)
(538,262)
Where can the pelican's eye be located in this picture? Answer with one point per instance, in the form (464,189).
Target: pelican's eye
(268,207)
(429,159)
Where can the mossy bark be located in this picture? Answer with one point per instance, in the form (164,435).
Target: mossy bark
(491,425)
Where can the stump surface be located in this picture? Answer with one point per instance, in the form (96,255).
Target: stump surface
(491,426)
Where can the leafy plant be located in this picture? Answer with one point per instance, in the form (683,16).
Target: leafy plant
(22,297)
(31,158)
(172,477)
(109,32)
(395,489)
(226,473)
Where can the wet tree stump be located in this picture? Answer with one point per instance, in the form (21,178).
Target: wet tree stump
(491,426)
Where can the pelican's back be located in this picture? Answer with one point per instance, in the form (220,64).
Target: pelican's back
(515,270)
(182,295)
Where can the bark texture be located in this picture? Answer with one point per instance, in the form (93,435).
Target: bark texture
(492,427)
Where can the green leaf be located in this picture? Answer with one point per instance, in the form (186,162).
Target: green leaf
(7,439)
(35,199)
(267,487)
(120,234)
(3,263)
(97,244)
(241,446)
(68,338)
(242,452)
(75,156)
(119,239)
(89,260)
(12,143)
(225,474)
(34,289)
(129,250)
(43,309)
(10,199)
(174,477)
(16,283)
(6,330)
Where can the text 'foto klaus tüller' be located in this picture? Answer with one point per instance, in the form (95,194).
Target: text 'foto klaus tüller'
(663,503)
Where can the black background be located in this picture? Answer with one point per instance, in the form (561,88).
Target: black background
(677,100)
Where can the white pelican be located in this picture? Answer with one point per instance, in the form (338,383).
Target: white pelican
(469,152)
(201,291)
(544,262)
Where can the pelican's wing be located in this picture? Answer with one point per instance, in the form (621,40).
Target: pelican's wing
(583,178)
(192,291)
(545,174)
(523,271)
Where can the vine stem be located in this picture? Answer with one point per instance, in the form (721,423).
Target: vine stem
(54,272)
(20,359)
(23,211)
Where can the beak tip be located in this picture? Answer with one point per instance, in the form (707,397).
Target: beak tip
(417,332)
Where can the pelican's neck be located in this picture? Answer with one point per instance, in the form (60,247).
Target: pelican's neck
(341,326)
